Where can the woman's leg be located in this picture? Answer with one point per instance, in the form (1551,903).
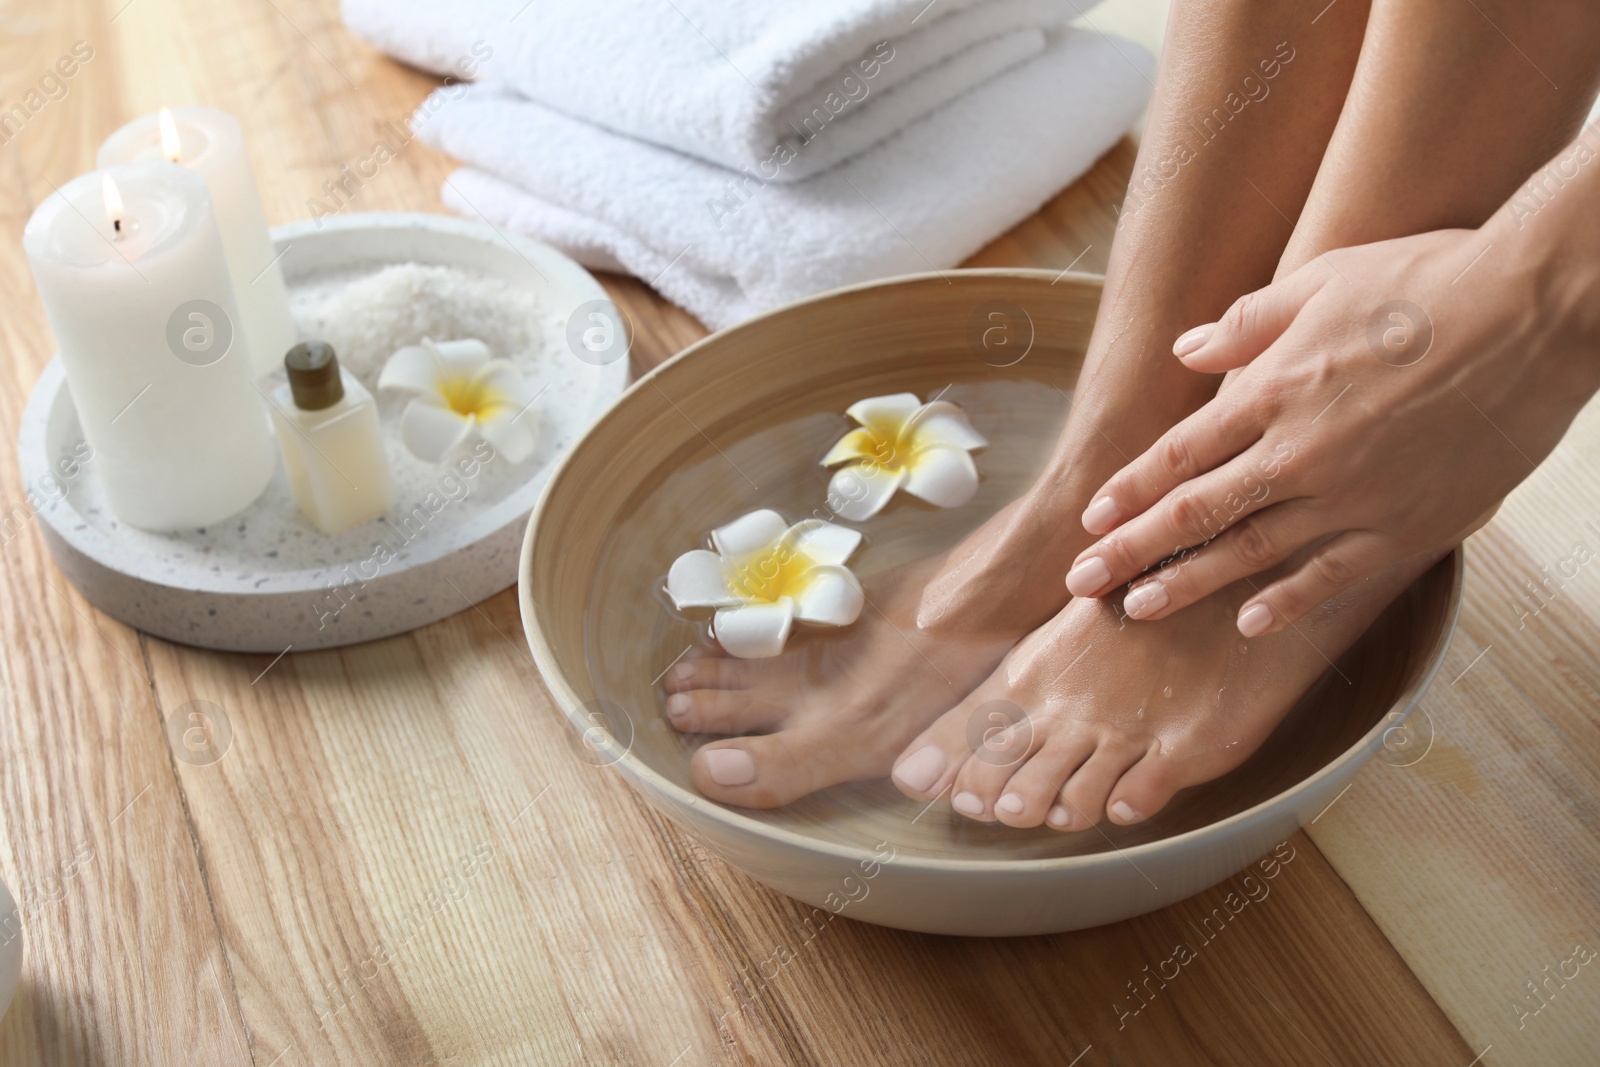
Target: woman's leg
(1245,104)
(1453,106)
(1247,86)
(1445,118)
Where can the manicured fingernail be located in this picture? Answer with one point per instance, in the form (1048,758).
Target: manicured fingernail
(1193,341)
(1059,816)
(1123,812)
(921,769)
(1088,577)
(1011,803)
(1255,620)
(683,672)
(730,766)
(1101,516)
(678,705)
(1146,600)
(967,803)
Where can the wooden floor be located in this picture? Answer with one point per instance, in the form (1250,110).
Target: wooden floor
(398,860)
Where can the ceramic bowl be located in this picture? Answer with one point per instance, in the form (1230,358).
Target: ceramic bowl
(10,948)
(759,399)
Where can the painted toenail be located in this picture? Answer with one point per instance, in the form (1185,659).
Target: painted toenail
(921,769)
(678,705)
(1123,812)
(1088,577)
(1011,803)
(1146,600)
(1101,516)
(967,803)
(730,766)
(1190,343)
(683,672)
(1059,816)
(1255,620)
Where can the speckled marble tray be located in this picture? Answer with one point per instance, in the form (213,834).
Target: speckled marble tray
(266,580)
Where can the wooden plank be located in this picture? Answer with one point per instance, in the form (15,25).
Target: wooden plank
(1481,861)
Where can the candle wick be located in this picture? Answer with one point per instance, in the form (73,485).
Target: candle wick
(116,224)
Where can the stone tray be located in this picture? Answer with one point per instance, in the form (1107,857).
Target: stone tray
(265,580)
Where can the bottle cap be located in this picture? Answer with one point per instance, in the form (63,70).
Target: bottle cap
(314,375)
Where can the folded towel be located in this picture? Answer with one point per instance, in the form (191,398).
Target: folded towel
(726,244)
(730,82)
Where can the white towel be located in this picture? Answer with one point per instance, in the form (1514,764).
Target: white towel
(729,81)
(725,245)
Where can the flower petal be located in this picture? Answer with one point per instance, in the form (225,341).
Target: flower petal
(749,533)
(942,423)
(418,368)
(825,543)
(514,434)
(413,369)
(699,579)
(884,415)
(860,490)
(754,631)
(857,444)
(503,380)
(430,431)
(832,597)
(943,475)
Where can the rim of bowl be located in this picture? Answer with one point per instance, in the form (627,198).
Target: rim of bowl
(630,765)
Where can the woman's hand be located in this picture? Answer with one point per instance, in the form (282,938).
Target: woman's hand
(1390,395)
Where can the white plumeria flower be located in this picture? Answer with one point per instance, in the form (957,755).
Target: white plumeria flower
(765,575)
(902,444)
(458,391)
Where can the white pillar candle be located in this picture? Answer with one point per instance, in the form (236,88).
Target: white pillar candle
(140,301)
(211,143)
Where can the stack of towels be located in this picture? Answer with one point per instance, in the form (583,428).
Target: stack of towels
(737,155)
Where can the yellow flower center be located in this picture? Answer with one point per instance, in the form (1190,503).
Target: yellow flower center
(465,396)
(886,451)
(773,573)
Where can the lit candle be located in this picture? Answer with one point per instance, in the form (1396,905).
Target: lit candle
(133,278)
(211,143)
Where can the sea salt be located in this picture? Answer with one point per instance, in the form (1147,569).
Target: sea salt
(367,317)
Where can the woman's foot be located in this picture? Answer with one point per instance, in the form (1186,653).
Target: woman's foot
(833,706)
(1094,715)
(839,706)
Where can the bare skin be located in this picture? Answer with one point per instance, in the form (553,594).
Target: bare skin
(1194,237)
(833,707)
(1094,713)
(1095,742)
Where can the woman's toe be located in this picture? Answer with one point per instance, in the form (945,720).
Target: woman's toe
(1144,788)
(1035,788)
(980,786)
(721,711)
(773,769)
(704,673)
(930,763)
(1086,791)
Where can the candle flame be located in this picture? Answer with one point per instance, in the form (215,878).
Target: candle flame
(171,144)
(113,201)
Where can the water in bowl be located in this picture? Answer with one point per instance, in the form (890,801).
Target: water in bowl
(769,459)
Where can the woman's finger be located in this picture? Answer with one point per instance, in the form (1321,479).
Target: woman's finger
(1263,540)
(1196,512)
(1331,569)
(1251,325)
(1206,439)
